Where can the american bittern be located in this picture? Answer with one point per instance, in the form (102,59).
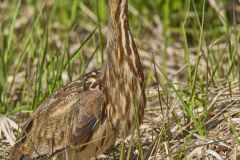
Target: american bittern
(87,115)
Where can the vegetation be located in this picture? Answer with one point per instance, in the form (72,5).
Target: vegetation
(189,49)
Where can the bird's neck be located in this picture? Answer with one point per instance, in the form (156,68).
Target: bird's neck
(122,80)
(122,54)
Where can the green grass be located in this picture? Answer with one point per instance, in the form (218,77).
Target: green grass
(44,45)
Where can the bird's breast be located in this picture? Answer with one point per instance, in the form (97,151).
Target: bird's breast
(125,107)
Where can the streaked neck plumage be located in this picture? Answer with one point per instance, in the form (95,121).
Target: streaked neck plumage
(123,79)
(121,49)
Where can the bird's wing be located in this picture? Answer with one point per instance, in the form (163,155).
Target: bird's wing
(69,90)
(87,113)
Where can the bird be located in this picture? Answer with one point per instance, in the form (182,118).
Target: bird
(85,117)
